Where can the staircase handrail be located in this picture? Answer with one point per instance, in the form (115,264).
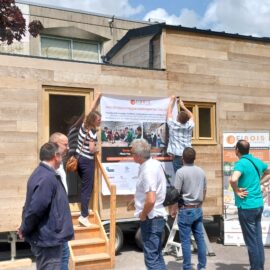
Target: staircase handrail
(112,188)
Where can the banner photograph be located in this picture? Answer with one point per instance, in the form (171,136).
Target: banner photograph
(123,120)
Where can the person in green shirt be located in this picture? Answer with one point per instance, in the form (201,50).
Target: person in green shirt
(245,182)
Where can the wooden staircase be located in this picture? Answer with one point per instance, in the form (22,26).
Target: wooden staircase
(91,249)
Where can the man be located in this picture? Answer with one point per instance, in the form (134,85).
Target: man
(191,182)
(46,220)
(245,182)
(149,196)
(128,136)
(180,132)
(62,141)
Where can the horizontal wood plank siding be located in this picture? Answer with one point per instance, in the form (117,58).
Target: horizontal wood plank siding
(233,73)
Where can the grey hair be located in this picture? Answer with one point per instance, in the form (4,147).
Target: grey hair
(141,148)
(55,137)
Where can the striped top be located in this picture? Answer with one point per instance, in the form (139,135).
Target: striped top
(180,136)
(72,140)
(90,136)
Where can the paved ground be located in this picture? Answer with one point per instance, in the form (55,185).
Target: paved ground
(131,258)
(227,258)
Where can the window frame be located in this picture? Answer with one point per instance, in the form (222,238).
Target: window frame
(196,139)
(71,41)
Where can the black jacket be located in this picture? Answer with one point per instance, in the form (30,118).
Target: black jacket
(46,220)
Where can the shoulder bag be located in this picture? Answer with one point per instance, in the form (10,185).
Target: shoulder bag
(254,166)
(72,163)
(172,194)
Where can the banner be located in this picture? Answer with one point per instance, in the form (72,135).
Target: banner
(259,147)
(123,120)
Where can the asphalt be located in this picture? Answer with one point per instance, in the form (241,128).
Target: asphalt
(130,257)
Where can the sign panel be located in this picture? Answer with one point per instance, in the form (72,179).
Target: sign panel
(123,120)
(259,147)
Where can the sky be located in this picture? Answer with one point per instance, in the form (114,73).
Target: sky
(246,17)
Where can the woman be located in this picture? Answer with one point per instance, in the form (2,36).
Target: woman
(86,149)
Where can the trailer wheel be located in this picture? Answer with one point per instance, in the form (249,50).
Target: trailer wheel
(119,237)
(165,235)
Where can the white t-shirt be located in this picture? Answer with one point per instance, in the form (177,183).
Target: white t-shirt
(60,171)
(151,178)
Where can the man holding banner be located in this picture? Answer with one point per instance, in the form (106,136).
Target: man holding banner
(245,182)
(180,132)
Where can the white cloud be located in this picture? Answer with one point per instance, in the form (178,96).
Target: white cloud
(186,17)
(120,8)
(247,17)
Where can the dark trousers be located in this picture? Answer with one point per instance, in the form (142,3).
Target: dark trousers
(177,163)
(47,258)
(86,172)
(250,221)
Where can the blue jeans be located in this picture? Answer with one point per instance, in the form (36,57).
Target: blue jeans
(151,230)
(177,163)
(65,256)
(86,170)
(250,221)
(190,220)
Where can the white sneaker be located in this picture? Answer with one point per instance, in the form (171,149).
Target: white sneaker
(84,221)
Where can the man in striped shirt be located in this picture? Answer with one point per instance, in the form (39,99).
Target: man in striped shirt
(180,132)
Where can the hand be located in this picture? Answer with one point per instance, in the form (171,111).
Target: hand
(99,95)
(182,105)
(19,233)
(142,216)
(241,192)
(173,210)
(131,205)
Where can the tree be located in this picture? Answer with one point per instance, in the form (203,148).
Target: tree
(12,23)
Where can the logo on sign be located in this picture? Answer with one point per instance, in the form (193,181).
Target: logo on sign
(139,102)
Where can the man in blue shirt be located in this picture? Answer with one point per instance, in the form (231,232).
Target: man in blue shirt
(245,182)
(46,219)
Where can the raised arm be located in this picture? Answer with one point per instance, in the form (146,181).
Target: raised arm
(95,103)
(190,114)
(170,107)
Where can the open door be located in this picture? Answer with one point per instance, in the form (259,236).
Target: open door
(62,107)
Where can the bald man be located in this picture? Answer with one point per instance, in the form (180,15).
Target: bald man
(62,141)
(245,182)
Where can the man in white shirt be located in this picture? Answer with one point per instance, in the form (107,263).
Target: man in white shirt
(62,141)
(149,197)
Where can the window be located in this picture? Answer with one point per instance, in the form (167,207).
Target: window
(204,131)
(53,47)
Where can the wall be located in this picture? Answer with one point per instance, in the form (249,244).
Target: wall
(233,73)
(135,53)
(22,130)
(95,24)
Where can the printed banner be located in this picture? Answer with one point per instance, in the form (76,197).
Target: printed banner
(124,120)
(259,147)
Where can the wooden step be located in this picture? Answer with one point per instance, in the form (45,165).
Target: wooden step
(87,232)
(88,246)
(92,258)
